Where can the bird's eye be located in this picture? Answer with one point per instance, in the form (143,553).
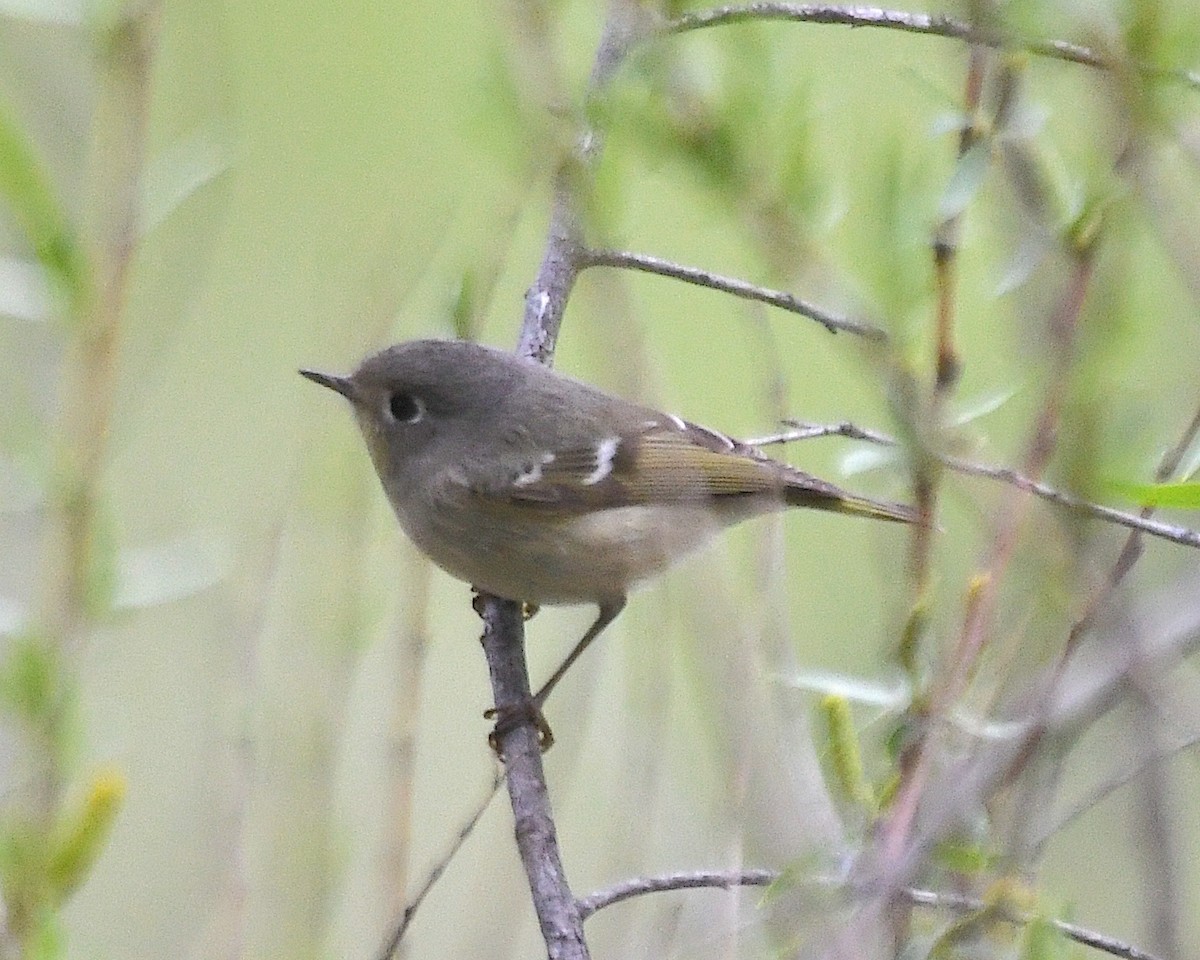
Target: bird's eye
(405,408)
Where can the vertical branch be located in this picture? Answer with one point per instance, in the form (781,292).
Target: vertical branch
(566,255)
(1079,241)
(71,587)
(947,364)
(408,650)
(124,51)
(981,603)
(503,637)
(537,840)
(928,467)
(1040,448)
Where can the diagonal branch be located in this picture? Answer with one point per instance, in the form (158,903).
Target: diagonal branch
(728,879)
(645,263)
(1183,536)
(934,25)
(392,945)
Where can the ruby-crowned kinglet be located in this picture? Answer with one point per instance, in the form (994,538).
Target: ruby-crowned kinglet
(535,487)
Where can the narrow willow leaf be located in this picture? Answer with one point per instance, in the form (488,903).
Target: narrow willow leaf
(1031,252)
(62,13)
(25,186)
(948,121)
(963,857)
(82,834)
(149,576)
(981,407)
(867,459)
(24,294)
(1182,495)
(12,616)
(969,174)
(1041,941)
(999,731)
(852,689)
(845,755)
(33,684)
(180,171)
(1191,464)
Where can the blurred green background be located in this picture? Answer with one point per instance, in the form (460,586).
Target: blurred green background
(292,697)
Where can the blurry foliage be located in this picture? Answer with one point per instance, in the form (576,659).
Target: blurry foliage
(30,198)
(726,112)
(81,833)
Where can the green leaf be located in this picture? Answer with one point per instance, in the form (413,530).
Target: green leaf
(1041,941)
(949,121)
(892,697)
(1181,495)
(981,406)
(62,13)
(868,459)
(1191,464)
(149,576)
(844,752)
(32,684)
(47,941)
(969,174)
(183,169)
(1030,252)
(25,186)
(12,616)
(963,857)
(82,833)
(23,291)
(789,878)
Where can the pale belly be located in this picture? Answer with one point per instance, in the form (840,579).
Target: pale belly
(570,560)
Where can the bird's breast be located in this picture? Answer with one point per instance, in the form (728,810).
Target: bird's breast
(545,557)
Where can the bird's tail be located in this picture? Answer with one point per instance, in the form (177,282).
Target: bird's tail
(819,495)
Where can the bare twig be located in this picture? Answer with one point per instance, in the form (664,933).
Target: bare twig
(537,840)
(414,904)
(564,255)
(681,880)
(739,288)
(1183,536)
(503,637)
(927,415)
(1089,938)
(728,879)
(1126,775)
(936,25)
(1166,531)
(1132,549)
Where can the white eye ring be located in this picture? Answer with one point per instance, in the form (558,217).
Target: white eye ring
(404,407)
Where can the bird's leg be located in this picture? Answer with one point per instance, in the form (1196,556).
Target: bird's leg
(609,611)
(509,716)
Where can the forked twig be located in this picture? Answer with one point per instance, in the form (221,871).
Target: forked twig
(934,25)
(646,263)
(1184,536)
(728,879)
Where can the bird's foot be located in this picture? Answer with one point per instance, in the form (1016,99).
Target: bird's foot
(528,610)
(514,715)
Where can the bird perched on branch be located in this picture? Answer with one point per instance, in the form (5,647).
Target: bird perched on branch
(535,487)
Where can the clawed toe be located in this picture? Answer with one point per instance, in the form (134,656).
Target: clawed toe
(513,715)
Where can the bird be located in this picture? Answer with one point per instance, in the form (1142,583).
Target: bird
(536,487)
